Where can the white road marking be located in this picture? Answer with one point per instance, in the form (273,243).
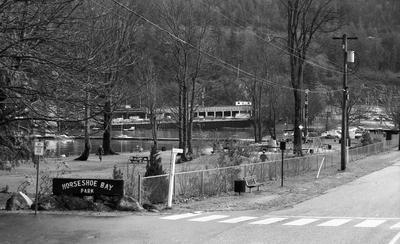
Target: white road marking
(396,226)
(395,239)
(301,222)
(335,222)
(209,218)
(181,216)
(369,223)
(238,219)
(298,220)
(267,221)
(329,217)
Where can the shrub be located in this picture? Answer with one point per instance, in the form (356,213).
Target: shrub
(154,166)
(366,139)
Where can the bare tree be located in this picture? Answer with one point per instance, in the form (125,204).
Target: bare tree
(147,76)
(304,19)
(188,22)
(114,41)
(356,106)
(35,65)
(391,103)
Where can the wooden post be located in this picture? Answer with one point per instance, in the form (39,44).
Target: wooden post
(37,184)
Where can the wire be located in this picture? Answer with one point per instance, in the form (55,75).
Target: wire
(269,41)
(212,57)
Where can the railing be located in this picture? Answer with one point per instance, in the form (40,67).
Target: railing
(218,180)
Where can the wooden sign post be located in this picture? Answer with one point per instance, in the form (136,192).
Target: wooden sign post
(38,151)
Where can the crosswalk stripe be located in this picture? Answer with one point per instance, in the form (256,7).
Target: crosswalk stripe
(370,223)
(209,218)
(335,222)
(267,221)
(396,226)
(301,222)
(181,216)
(238,219)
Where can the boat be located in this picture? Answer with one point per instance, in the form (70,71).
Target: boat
(123,136)
(64,138)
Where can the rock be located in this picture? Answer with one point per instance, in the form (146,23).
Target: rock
(48,203)
(150,207)
(4,189)
(76,203)
(16,202)
(110,201)
(129,204)
(101,207)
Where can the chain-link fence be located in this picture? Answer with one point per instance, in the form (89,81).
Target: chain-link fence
(218,180)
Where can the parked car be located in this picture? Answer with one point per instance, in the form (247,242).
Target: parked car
(332,134)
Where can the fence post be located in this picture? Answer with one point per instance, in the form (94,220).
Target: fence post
(139,189)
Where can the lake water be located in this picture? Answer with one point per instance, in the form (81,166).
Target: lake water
(76,146)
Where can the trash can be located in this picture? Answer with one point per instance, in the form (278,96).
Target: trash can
(329,146)
(239,186)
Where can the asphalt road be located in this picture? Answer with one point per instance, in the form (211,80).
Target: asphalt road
(364,211)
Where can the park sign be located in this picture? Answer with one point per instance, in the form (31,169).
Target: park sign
(88,187)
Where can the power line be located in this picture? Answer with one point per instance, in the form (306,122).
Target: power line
(269,41)
(210,56)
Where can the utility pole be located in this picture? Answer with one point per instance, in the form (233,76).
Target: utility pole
(343,151)
(306,114)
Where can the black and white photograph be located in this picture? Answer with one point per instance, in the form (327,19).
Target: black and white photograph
(200,121)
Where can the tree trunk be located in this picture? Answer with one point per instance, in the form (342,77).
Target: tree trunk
(107,129)
(254,115)
(297,140)
(256,104)
(259,118)
(274,121)
(180,115)
(190,117)
(184,121)
(85,154)
(153,122)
